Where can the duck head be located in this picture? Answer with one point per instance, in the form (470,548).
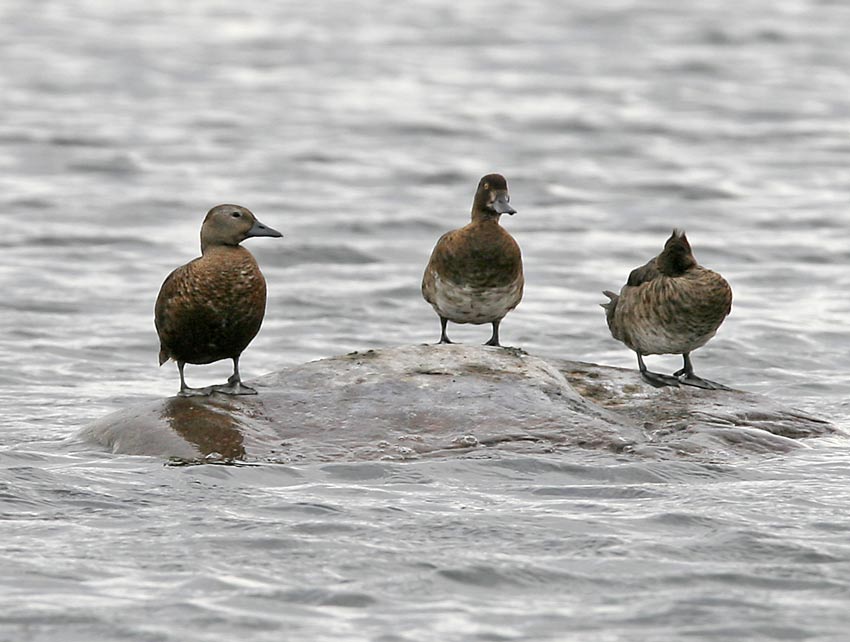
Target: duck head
(492,198)
(230,225)
(676,258)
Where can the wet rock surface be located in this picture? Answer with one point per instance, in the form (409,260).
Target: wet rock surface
(419,401)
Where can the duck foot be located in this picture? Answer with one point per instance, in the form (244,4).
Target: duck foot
(196,392)
(234,388)
(698,382)
(234,385)
(687,377)
(658,380)
(494,338)
(444,338)
(655,379)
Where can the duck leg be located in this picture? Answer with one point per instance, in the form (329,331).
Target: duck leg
(444,338)
(494,339)
(655,379)
(186,391)
(234,385)
(686,376)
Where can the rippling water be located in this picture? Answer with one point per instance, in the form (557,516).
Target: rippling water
(360,131)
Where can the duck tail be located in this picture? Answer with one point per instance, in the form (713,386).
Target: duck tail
(163,356)
(611,306)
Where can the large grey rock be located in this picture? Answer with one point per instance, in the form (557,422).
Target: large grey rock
(436,400)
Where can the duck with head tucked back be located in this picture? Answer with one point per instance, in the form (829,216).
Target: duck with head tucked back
(475,272)
(212,307)
(670,305)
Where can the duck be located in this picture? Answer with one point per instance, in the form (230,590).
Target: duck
(670,305)
(212,307)
(474,274)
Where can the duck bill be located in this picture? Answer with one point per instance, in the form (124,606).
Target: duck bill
(502,205)
(262,230)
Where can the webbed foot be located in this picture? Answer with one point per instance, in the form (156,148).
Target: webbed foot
(444,338)
(494,338)
(687,377)
(234,388)
(658,380)
(196,392)
(699,382)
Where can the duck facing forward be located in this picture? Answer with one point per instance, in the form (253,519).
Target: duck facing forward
(212,307)
(670,305)
(475,272)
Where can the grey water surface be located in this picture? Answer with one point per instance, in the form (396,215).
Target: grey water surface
(360,129)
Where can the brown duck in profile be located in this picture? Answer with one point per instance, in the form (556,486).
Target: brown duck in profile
(211,308)
(475,272)
(670,305)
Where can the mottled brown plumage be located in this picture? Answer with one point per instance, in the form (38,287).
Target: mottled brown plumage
(475,274)
(212,307)
(670,305)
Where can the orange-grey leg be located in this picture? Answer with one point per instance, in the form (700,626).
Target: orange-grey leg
(234,385)
(655,378)
(686,376)
(186,391)
(494,339)
(444,338)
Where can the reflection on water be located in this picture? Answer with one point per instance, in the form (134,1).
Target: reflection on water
(210,426)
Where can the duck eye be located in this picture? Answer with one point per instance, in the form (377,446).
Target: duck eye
(486,185)
(236,214)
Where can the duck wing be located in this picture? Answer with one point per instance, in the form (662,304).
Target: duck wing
(644,274)
(440,256)
(172,296)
